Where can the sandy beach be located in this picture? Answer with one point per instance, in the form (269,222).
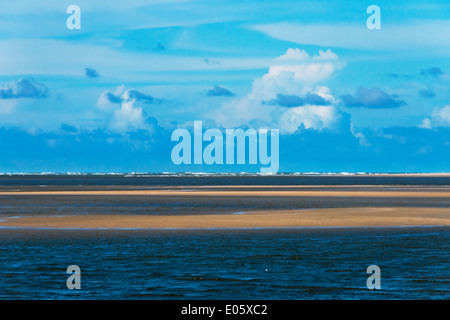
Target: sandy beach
(340,217)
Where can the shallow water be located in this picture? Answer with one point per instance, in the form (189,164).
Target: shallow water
(325,263)
(14,205)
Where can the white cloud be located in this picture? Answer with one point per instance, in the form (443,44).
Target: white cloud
(360,136)
(417,35)
(440,117)
(442,114)
(104,101)
(315,117)
(297,70)
(293,73)
(128,117)
(426,124)
(58,57)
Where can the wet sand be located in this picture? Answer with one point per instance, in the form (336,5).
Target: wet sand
(340,217)
(227,207)
(189,191)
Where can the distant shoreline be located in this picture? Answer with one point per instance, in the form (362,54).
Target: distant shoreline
(196,174)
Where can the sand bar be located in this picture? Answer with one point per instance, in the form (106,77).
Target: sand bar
(341,217)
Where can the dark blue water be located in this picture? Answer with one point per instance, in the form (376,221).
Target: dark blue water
(219,264)
(226,264)
(215,180)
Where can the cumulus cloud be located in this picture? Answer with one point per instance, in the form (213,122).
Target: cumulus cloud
(139,96)
(112,98)
(108,99)
(129,116)
(372,98)
(296,68)
(442,114)
(292,100)
(121,95)
(219,91)
(289,96)
(315,117)
(359,135)
(91,73)
(24,88)
(440,117)
(426,124)
(286,100)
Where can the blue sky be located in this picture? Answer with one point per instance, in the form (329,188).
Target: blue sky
(107,97)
